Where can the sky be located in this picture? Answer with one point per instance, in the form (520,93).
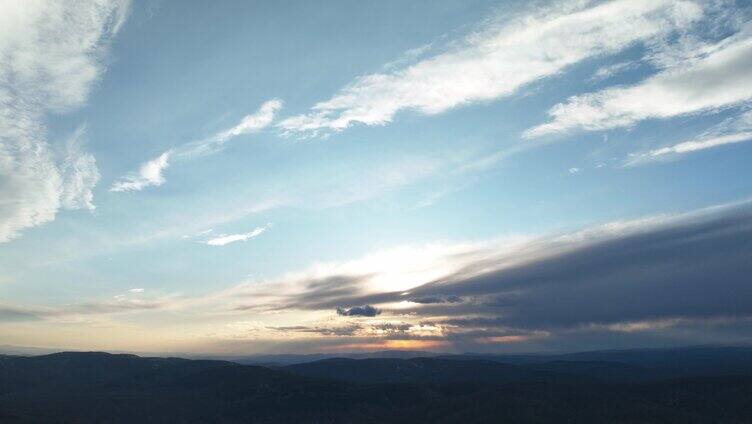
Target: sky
(241,177)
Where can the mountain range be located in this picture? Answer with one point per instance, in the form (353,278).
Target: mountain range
(688,385)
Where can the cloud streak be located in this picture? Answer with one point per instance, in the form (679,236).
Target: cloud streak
(737,129)
(250,124)
(496,61)
(713,77)
(225,239)
(150,174)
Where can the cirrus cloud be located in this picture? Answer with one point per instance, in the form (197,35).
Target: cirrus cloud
(713,77)
(225,239)
(497,60)
(150,173)
(52,54)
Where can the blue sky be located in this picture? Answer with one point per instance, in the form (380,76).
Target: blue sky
(187,176)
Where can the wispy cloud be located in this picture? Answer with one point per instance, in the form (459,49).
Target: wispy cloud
(52,54)
(80,174)
(252,123)
(225,239)
(131,301)
(605,72)
(150,174)
(734,130)
(712,77)
(701,144)
(496,61)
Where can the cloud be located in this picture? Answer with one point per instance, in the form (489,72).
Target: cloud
(150,174)
(658,272)
(52,54)
(605,72)
(646,276)
(117,305)
(662,279)
(436,299)
(702,144)
(80,174)
(358,311)
(496,61)
(733,130)
(253,122)
(15,314)
(338,331)
(75,312)
(224,239)
(382,276)
(249,124)
(713,77)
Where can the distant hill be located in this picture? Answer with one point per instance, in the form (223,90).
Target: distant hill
(664,363)
(289,359)
(420,370)
(93,387)
(443,370)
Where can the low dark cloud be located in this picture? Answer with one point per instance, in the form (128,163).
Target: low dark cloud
(34,313)
(359,311)
(436,299)
(9,314)
(392,327)
(681,280)
(347,330)
(689,270)
(481,322)
(107,307)
(325,293)
(698,268)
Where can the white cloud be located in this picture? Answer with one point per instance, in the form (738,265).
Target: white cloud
(701,144)
(253,122)
(80,174)
(137,290)
(52,54)
(716,76)
(496,61)
(574,170)
(224,239)
(149,175)
(733,130)
(605,72)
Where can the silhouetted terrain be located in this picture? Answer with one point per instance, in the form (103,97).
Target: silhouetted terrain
(422,371)
(645,386)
